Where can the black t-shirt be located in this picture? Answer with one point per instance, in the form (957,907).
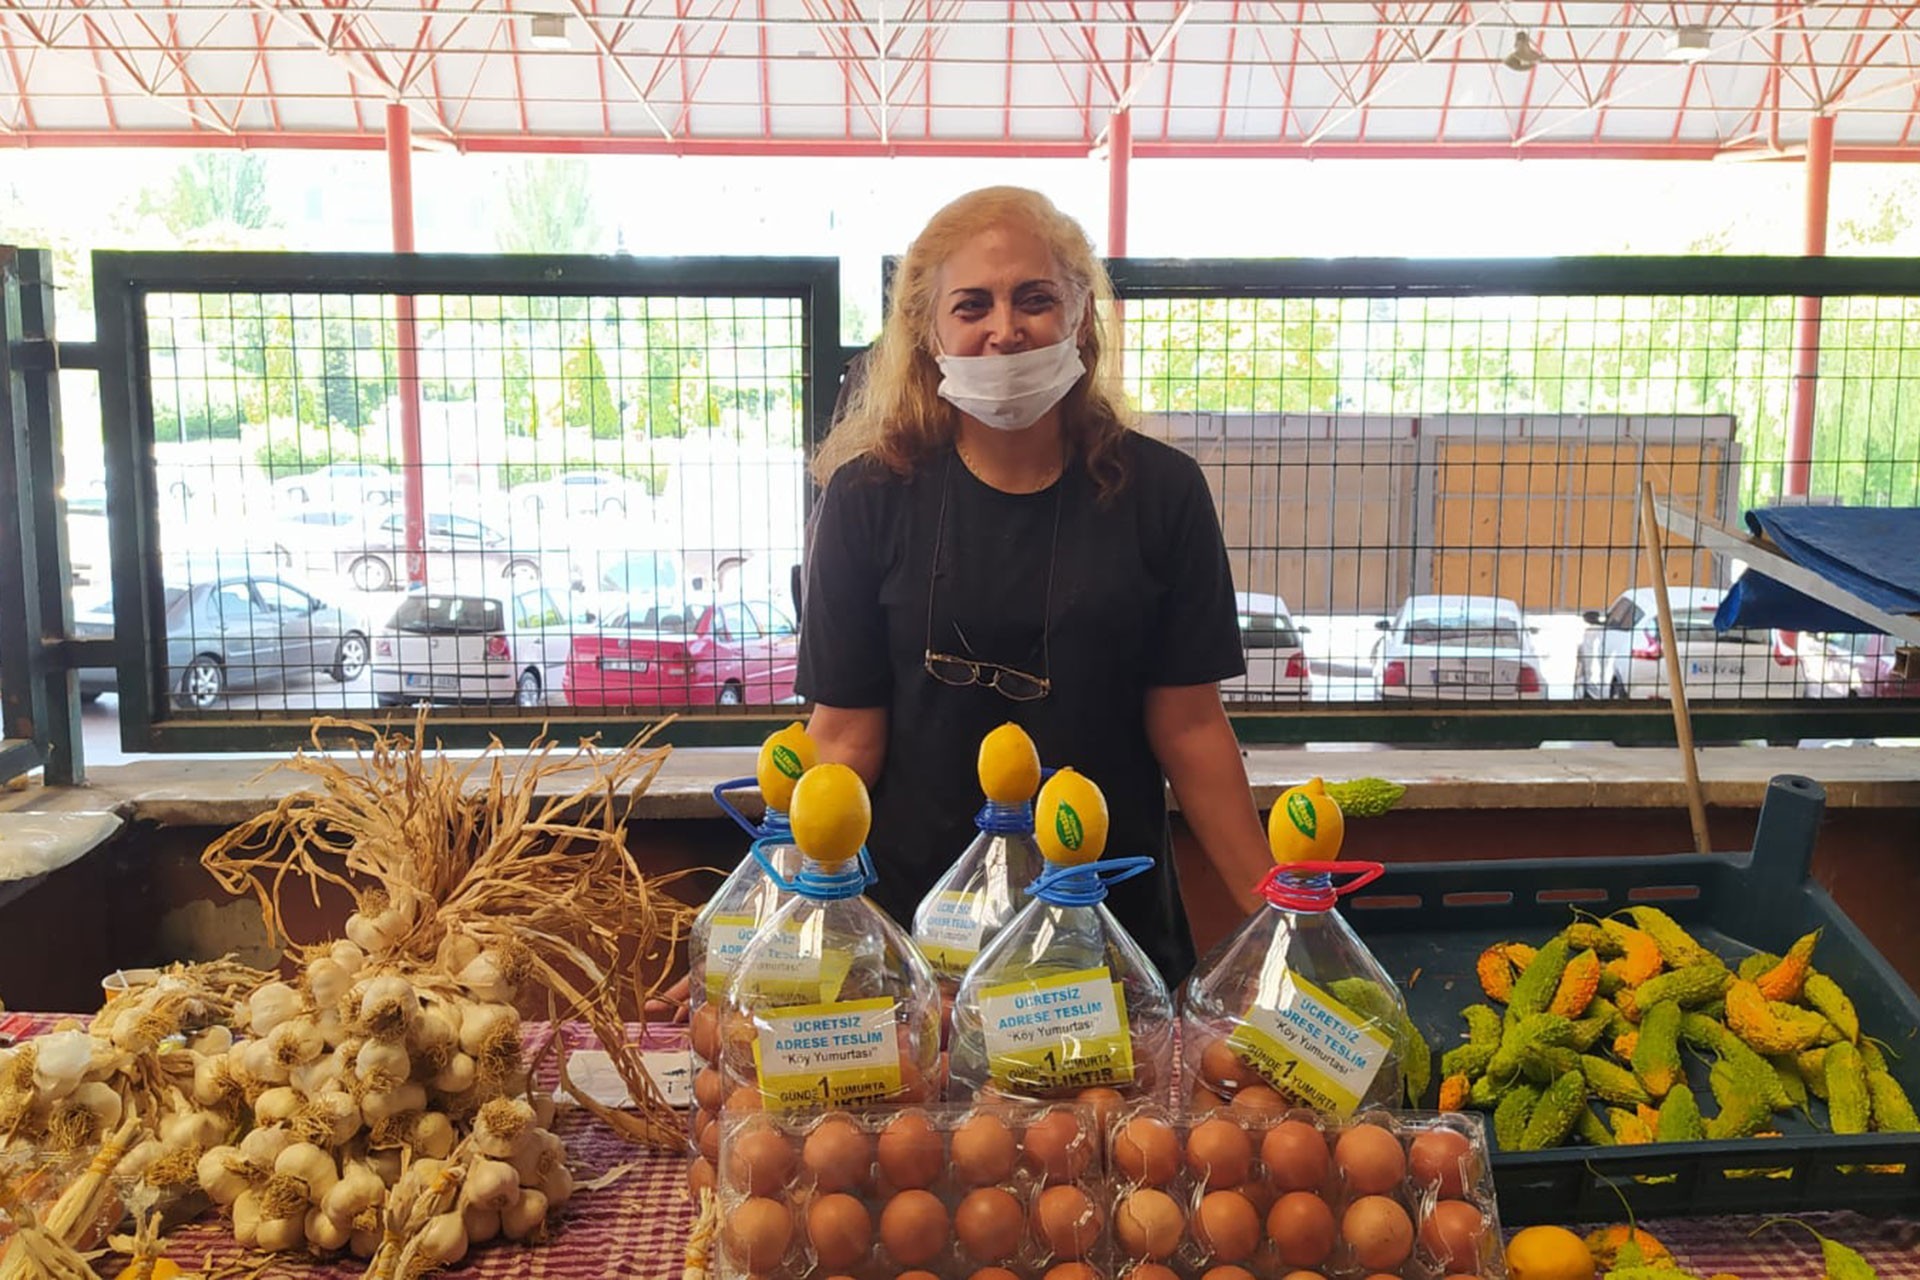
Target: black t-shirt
(1142,597)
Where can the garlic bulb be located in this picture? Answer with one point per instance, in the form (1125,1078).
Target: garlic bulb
(277,1105)
(441,1243)
(491,1184)
(272,1005)
(328,980)
(246,1219)
(457,950)
(377,1106)
(296,1041)
(323,1073)
(499,1125)
(369,933)
(347,955)
(432,1135)
(382,1065)
(258,1063)
(197,1129)
(222,1176)
(458,1076)
(309,1165)
(525,1216)
(481,1225)
(215,1039)
(279,1235)
(358,1190)
(337,1112)
(483,1024)
(487,976)
(263,1146)
(325,1233)
(386,1164)
(388,1006)
(557,1186)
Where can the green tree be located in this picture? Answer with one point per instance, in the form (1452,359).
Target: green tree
(585,400)
(546,206)
(212,191)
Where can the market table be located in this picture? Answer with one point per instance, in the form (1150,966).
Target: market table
(637,1226)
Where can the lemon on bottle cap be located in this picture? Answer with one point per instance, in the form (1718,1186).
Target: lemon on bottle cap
(1306,825)
(1009,765)
(831,813)
(1070,819)
(784,756)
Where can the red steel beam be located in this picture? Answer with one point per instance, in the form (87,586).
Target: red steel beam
(20,80)
(519,72)
(1226,75)
(1806,347)
(399,145)
(266,69)
(766,73)
(1119,157)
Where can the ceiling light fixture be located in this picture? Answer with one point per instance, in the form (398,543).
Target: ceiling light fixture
(1525,57)
(1689,43)
(550,31)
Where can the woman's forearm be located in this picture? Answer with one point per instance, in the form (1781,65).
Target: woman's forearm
(1194,743)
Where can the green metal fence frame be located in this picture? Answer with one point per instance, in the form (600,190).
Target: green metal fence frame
(123,280)
(48,709)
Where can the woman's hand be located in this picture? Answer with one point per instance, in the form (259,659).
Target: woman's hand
(1188,731)
(853,736)
(671,1005)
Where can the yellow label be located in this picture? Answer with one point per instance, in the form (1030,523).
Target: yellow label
(727,937)
(828,1055)
(796,965)
(949,931)
(1064,1031)
(1312,1046)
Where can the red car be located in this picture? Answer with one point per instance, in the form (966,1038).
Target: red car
(685,655)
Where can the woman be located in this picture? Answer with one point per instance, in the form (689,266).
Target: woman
(996,544)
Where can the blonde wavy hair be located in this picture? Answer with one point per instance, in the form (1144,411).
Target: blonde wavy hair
(896,415)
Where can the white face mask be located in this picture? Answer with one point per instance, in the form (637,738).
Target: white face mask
(1009,393)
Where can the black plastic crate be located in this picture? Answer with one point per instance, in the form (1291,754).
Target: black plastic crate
(1437,917)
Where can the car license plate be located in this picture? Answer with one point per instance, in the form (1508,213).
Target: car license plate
(433,682)
(1463,677)
(1715,669)
(623,664)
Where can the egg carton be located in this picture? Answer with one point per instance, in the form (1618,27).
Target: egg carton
(1235,1193)
(994,1191)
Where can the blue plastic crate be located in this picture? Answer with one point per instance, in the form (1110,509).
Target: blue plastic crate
(1436,918)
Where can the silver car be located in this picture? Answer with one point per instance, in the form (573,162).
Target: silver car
(238,631)
(373,557)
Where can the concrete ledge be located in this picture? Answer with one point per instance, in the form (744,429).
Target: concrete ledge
(222,792)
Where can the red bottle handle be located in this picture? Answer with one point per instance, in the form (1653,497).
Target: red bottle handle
(1297,886)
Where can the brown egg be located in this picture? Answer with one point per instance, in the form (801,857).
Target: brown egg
(708,1092)
(1202,1100)
(1261,1098)
(758,1233)
(989,1223)
(993,1273)
(1056,1147)
(1379,1232)
(840,1229)
(699,1178)
(745,1098)
(1295,1154)
(1303,1275)
(1226,1226)
(1148,1224)
(916,1274)
(1438,1158)
(1302,1229)
(1371,1159)
(1238,1273)
(704,1027)
(984,1150)
(838,1155)
(914,1227)
(1259,1195)
(911,1153)
(1150,1271)
(1147,1150)
(1066,1222)
(1072,1271)
(707,1139)
(1105,1103)
(1219,1153)
(1452,1234)
(1221,1066)
(760,1160)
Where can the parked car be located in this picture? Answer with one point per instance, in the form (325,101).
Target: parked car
(626,577)
(581,493)
(1621,655)
(1277,666)
(686,654)
(343,486)
(372,554)
(1457,647)
(1849,665)
(238,631)
(479,646)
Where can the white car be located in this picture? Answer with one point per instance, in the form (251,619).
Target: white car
(342,486)
(1277,666)
(581,493)
(1621,655)
(483,646)
(1458,648)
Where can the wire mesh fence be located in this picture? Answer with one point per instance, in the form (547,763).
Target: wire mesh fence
(1435,499)
(598,501)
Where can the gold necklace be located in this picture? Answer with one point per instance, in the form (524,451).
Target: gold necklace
(1048,479)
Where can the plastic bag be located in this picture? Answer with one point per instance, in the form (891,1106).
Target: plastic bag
(1064,1001)
(968,906)
(1294,1004)
(831,1005)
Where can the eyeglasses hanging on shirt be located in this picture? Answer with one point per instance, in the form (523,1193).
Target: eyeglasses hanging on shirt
(962,671)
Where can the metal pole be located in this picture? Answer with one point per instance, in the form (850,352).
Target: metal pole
(1806,347)
(413,476)
(1677,691)
(1119,158)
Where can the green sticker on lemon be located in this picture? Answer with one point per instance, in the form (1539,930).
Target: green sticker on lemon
(787,762)
(1066,825)
(1300,813)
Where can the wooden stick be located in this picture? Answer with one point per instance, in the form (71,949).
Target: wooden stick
(1676,690)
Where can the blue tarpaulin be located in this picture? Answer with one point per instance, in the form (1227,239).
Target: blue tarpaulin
(1872,552)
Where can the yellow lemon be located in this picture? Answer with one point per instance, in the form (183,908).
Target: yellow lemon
(1009,765)
(1548,1253)
(1070,819)
(831,813)
(784,756)
(163,1269)
(1306,825)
